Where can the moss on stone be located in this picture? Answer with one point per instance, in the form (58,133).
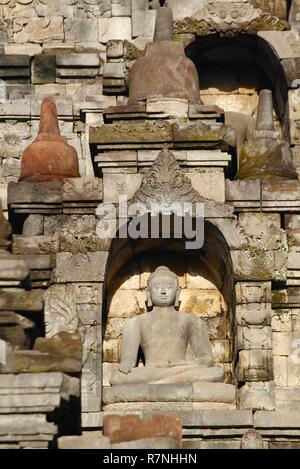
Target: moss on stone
(264,158)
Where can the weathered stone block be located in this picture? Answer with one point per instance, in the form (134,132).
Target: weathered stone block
(78,60)
(147,443)
(35,192)
(131,135)
(253,292)
(14,299)
(127,305)
(92,419)
(52,224)
(209,185)
(32,361)
(88,294)
(112,351)
(38,29)
(292,226)
(62,344)
(282,320)
(11,108)
(90,440)
(196,281)
(205,303)
(221,350)
(43,69)
(287,398)
(121,7)
(218,327)
(280,370)
(143,23)
(256,314)
(256,264)
(39,382)
(113,70)
(255,365)
(282,342)
(81,30)
(12,270)
(17,49)
(89,314)
(114,49)
(131,427)
(86,267)
(78,224)
(211,444)
(257,396)
(91,394)
(262,229)
(92,340)
(242,190)
(276,419)
(254,337)
(115,185)
(33,225)
(42,262)
(284,445)
(26,425)
(82,189)
(295,132)
(225,419)
(114,28)
(12,60)
(168,107)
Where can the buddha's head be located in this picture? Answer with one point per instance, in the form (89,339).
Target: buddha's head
(163,288)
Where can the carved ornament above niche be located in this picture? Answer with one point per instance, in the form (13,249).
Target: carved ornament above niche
(166,184)
(228,18)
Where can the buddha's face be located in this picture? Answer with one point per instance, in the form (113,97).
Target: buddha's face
(163,290)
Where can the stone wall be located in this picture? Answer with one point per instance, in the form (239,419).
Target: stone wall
(60,48)
(51,47)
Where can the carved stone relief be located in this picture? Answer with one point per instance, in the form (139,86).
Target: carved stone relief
(60,310)
(229,17)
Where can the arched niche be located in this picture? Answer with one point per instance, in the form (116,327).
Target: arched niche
(206,281)
(233,69)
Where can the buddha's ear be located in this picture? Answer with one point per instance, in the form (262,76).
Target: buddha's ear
(177,302)
(149,301)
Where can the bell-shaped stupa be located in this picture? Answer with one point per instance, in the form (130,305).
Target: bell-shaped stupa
(265,155)
(164,71)
(49,156)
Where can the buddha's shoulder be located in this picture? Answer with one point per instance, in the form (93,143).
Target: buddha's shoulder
(143,317)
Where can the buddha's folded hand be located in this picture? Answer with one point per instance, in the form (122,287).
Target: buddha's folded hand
(126,366)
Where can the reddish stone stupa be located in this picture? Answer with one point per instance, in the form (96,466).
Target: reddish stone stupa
(49,156)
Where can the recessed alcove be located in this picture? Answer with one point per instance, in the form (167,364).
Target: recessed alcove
(206,283)
(232,70)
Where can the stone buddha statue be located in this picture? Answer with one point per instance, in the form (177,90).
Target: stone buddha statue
(164,335)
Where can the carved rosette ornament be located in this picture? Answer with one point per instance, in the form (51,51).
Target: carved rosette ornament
(229,17)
